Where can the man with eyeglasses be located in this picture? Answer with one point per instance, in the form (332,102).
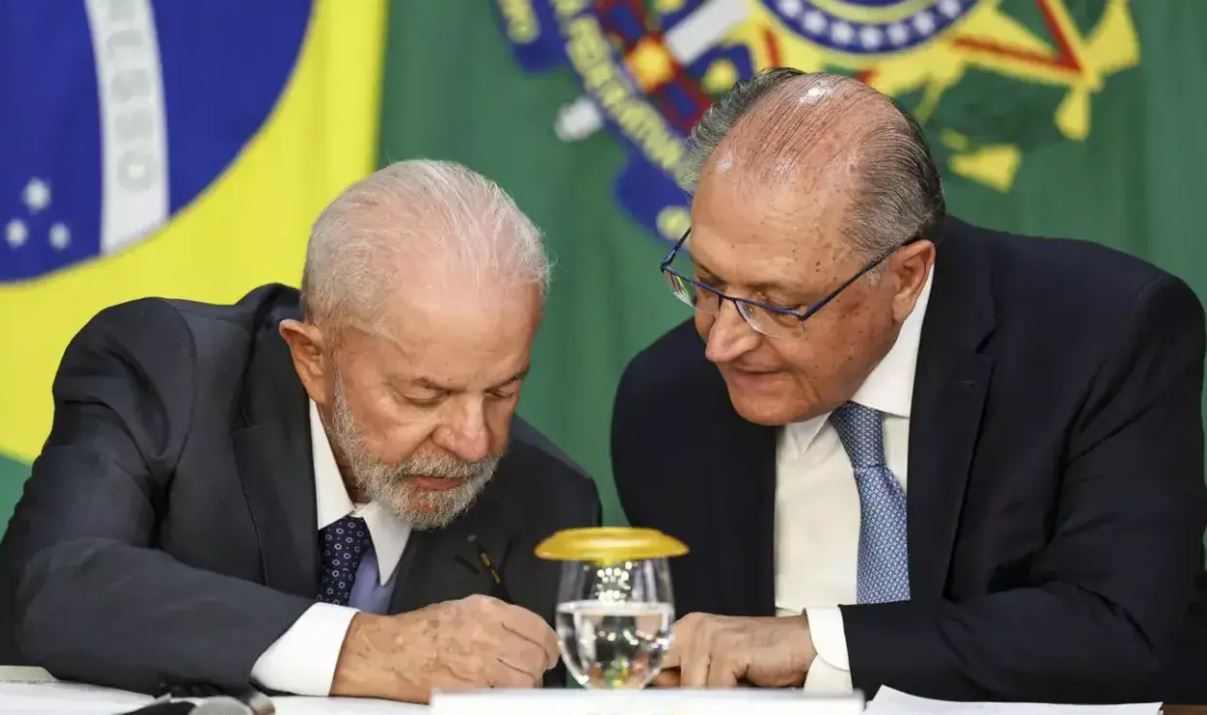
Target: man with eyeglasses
(904,450)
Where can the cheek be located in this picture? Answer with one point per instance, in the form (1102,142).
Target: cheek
(498,415)
(395,431)
(839,350)
(704,323)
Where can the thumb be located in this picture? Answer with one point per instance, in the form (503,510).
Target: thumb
(666,678)
(672,657)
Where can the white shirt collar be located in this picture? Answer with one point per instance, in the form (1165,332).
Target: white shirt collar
(889,388)
(332,503)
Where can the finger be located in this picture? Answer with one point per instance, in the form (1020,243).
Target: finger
(671,658)
(502,674)
(522,654)
(681,637)
(666,679)
(528,625)
(689,651)
(693,670)
(722,673)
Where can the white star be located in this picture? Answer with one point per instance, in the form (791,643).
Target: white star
(842,33)
(814,22)
(924,23)
(898,34)
(36,195)
(791,8)
(59,236)
(950,8)
(16,233)
(870,37)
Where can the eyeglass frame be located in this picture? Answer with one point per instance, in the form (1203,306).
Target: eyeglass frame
(801,315)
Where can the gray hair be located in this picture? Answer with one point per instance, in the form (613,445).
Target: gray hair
(417,209)
(899,194)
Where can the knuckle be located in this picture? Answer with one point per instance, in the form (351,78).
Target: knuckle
(477,601)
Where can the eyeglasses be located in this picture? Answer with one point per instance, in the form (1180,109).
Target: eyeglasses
(771,320)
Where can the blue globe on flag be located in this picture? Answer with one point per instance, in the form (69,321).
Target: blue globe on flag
(119,113)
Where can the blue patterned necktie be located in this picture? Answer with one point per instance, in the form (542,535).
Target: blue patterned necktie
(344,543)
(883,573)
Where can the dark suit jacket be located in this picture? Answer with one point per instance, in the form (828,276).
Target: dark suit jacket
(1056,498)
(167,533)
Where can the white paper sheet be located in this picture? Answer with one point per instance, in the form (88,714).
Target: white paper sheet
(33,691)
(40,697)
(295,705)
(895,702)
(744,701)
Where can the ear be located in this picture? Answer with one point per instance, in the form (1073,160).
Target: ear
(911,266)
(310,359)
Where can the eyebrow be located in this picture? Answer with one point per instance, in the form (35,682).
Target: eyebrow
(759,287)
(433,384)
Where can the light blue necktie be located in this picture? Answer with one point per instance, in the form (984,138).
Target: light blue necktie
(883,573)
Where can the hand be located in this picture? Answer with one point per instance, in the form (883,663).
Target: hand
(723,651)
(476,642)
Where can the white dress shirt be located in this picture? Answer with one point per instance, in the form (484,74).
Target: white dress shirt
(303,659)
(817,506)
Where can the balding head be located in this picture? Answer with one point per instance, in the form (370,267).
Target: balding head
(807,183)
(822,132)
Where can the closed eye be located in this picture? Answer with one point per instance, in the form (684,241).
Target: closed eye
(505,392)
(425,401)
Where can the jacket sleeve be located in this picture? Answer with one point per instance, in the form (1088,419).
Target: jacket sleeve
(89,595)
(1108,595)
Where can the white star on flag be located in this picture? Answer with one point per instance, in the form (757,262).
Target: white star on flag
(842,33)
(791,8)
(924,23)
(950,8)
(36,195)
(16,233)
(60,236)
(814,22)
(898,33)
(870,37)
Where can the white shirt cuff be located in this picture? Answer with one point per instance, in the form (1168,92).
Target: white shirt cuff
(830,673)
(302,661)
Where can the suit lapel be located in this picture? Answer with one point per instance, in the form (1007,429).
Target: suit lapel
(950,386)
(443,564)
(742,527)
(273,454)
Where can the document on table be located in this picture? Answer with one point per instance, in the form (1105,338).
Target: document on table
(33,691)
(895,702)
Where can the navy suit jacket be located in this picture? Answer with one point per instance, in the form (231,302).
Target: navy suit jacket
(1056,501)
(167,535)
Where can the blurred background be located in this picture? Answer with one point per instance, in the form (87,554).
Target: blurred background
(182,149)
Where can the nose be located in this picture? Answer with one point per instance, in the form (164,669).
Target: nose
(463,432)
(730,336)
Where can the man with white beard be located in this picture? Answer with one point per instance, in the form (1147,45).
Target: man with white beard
(317,493)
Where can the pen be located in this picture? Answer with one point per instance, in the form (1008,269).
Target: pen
(498,588)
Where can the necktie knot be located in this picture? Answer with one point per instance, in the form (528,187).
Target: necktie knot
(343,544)
(861,430)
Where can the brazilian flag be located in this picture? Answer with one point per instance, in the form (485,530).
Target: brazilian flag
(183,148)
(157,147)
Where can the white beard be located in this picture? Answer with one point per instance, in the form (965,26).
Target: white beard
(391,485)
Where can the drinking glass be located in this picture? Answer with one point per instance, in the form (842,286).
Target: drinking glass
(615,605)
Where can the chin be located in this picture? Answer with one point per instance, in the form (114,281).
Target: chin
(764,411)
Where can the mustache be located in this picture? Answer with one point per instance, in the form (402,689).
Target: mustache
(443,466)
